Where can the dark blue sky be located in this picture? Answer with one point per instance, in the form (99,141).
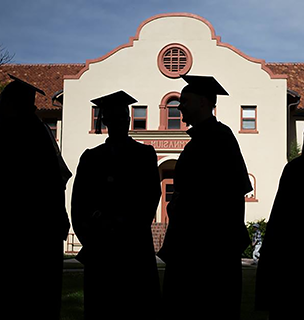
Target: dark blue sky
(68,31)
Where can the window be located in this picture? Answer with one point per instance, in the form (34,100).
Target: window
(169,192)
(248,119)
(95,112)
(174,60)
(139,118)
(174,115)
(170,116)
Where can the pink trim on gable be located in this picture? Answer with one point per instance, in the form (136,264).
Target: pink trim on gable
(181,14)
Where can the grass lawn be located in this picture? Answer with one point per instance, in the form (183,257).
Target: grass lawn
(72,296)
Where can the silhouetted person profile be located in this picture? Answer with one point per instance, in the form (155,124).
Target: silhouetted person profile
(115,197)
(280,280)
(203,263)
(33,215)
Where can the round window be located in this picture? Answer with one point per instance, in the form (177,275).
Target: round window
(174,60)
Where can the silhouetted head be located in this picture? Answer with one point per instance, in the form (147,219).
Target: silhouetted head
(114,113)
(18,97)
(199,97)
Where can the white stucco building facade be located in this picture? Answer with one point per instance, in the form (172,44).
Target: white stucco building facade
(149,68)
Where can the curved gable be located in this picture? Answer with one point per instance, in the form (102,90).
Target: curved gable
(183,15)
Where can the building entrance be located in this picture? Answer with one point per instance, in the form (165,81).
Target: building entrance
(167,193)
(166,171)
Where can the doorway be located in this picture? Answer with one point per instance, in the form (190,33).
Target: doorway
(166,172)
(167,193)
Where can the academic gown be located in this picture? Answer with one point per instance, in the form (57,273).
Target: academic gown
(280,280)
(115,197)
(206,233)
(34,220)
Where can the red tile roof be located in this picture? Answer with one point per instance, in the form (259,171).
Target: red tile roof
(295,80)
(49,78)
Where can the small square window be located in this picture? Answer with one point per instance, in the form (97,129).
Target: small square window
(248,119)
(139,118)
(95,112)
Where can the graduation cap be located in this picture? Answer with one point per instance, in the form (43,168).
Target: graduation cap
(26,85)
(111,105)
(203,85)
(19,94)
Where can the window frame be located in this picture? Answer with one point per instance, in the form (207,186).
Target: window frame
(168,107)
(255,118)
(139,118)
(164,112)
(178,72)
(94,117)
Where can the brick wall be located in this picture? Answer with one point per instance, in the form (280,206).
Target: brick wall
(158,232)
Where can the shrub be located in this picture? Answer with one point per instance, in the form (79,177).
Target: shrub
(295,151)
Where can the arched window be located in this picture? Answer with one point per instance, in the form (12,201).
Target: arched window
(170,116)
(173,115)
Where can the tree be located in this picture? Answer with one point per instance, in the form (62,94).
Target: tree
(5,56)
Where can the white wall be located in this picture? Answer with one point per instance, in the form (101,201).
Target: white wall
(134,69)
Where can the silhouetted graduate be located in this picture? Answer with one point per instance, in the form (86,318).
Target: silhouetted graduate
(33,216)
(115,197)
(280,279)
(206,233)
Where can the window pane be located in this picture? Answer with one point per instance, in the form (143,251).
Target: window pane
(102,125)
(248,124)
(174,112)
(139,124)
(248,112)
(140,112)
(169,197)
(96,111)
(169,188)
(173,103)
(173,124)
(169,192)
